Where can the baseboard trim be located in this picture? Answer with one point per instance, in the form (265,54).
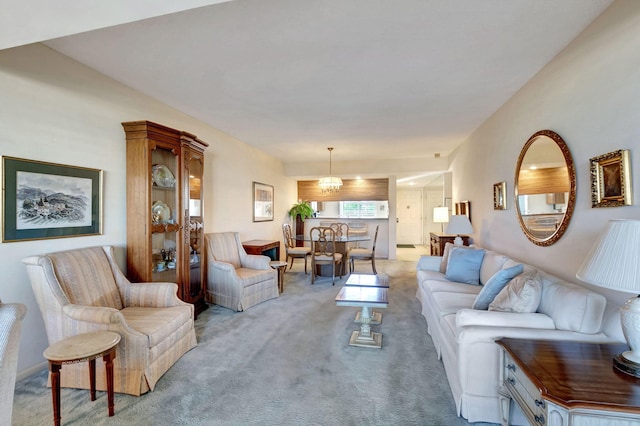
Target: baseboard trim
(33,370)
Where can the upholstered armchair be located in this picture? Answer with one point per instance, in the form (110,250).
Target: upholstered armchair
(83,290)
(11,315)
(235,279)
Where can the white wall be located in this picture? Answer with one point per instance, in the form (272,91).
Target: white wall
(590,95)
(54,109)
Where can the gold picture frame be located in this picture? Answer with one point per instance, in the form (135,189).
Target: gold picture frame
(611,180)
(464,207)
(499,196)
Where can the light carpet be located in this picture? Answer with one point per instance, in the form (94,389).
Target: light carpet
(283,362)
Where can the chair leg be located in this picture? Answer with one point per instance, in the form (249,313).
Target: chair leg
(291,265)
(351,265)
(305,265)
(313,271)
(373,265)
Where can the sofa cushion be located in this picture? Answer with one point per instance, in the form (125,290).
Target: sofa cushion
(158,323)
(435,286)
(471,317)
(445,254)
(522,294)
(450,303)
(494,285)
(463,265)
(572,307)
(491,263)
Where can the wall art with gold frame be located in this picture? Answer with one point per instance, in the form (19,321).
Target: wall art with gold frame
(46,200)
(500,196)
(611,180)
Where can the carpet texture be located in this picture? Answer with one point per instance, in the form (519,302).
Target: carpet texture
(283,362)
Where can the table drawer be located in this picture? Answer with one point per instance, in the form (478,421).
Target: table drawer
(527,395)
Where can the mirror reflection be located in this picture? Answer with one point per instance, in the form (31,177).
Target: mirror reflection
(351,209)
(545,187)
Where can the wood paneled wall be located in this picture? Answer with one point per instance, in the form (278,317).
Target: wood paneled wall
(543,181)
(352,190)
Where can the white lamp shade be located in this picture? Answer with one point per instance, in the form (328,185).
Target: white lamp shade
(441,214)
(614,260)
(459,224)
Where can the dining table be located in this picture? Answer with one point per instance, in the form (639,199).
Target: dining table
(342,247)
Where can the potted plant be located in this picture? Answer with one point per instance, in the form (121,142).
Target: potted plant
(302,209)
(299,212)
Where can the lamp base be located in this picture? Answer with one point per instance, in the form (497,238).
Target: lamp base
(458,241)
(625,366)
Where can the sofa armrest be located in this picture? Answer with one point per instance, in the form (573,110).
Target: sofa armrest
(152,295)
(430,263)
(93,314)
(474,334)
(222,266)
(256,261)
(470,317)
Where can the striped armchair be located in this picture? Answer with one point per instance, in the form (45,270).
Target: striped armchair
(11,315)
(83,290)
(235,279)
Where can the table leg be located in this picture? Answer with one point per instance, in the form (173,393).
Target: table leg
(365,337)
(108,361)
(92,379)
(55,391)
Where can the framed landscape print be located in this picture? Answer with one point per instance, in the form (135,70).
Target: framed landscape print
(262,202)
(46,200)
(611,180)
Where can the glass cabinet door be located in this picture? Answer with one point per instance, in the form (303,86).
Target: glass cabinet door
(165,215)
(195,167)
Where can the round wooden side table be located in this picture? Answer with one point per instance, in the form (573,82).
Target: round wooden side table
(280,266)
(80,348)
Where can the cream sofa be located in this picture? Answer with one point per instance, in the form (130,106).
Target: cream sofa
(465,338)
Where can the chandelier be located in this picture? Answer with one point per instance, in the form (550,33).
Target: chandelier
(330,184)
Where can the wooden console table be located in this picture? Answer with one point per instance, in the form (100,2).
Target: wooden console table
(561,383)
(438,241)
(265,247)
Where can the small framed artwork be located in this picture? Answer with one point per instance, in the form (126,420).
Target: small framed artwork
(262,202)
(499,196)
(46,200)
(464,207)
(611,180)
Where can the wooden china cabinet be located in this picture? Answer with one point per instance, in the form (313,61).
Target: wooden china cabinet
(165,227)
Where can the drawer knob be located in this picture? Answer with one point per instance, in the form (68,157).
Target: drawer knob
(539,419)
(511,381)
(511,367)
(539,403)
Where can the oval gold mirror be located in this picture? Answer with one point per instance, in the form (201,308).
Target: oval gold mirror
(545,187)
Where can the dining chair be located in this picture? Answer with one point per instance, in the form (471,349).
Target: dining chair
(341,228)
(294,252)
(323,251)
(364,254)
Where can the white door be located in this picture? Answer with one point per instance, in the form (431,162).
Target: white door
(409,214)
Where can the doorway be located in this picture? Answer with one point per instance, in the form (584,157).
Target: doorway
(409,217)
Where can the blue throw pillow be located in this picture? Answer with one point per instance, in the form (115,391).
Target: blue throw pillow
(464,265)
(494,285)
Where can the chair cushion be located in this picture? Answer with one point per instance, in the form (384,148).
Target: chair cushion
(254,276)
(157,323)
(360,253)
(224,247)
(77,268)
(494,285)
(298,250)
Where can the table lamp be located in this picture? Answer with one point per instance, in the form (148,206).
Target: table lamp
(613,263)
(441,216)
(459,224)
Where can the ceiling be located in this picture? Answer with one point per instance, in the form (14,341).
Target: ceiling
(376,79)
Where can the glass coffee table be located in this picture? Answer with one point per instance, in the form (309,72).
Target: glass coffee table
(365,298)
(367,280)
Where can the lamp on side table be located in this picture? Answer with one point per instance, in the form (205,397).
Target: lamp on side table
(613,263)
(459,224)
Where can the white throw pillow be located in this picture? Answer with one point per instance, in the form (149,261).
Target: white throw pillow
(522,294)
